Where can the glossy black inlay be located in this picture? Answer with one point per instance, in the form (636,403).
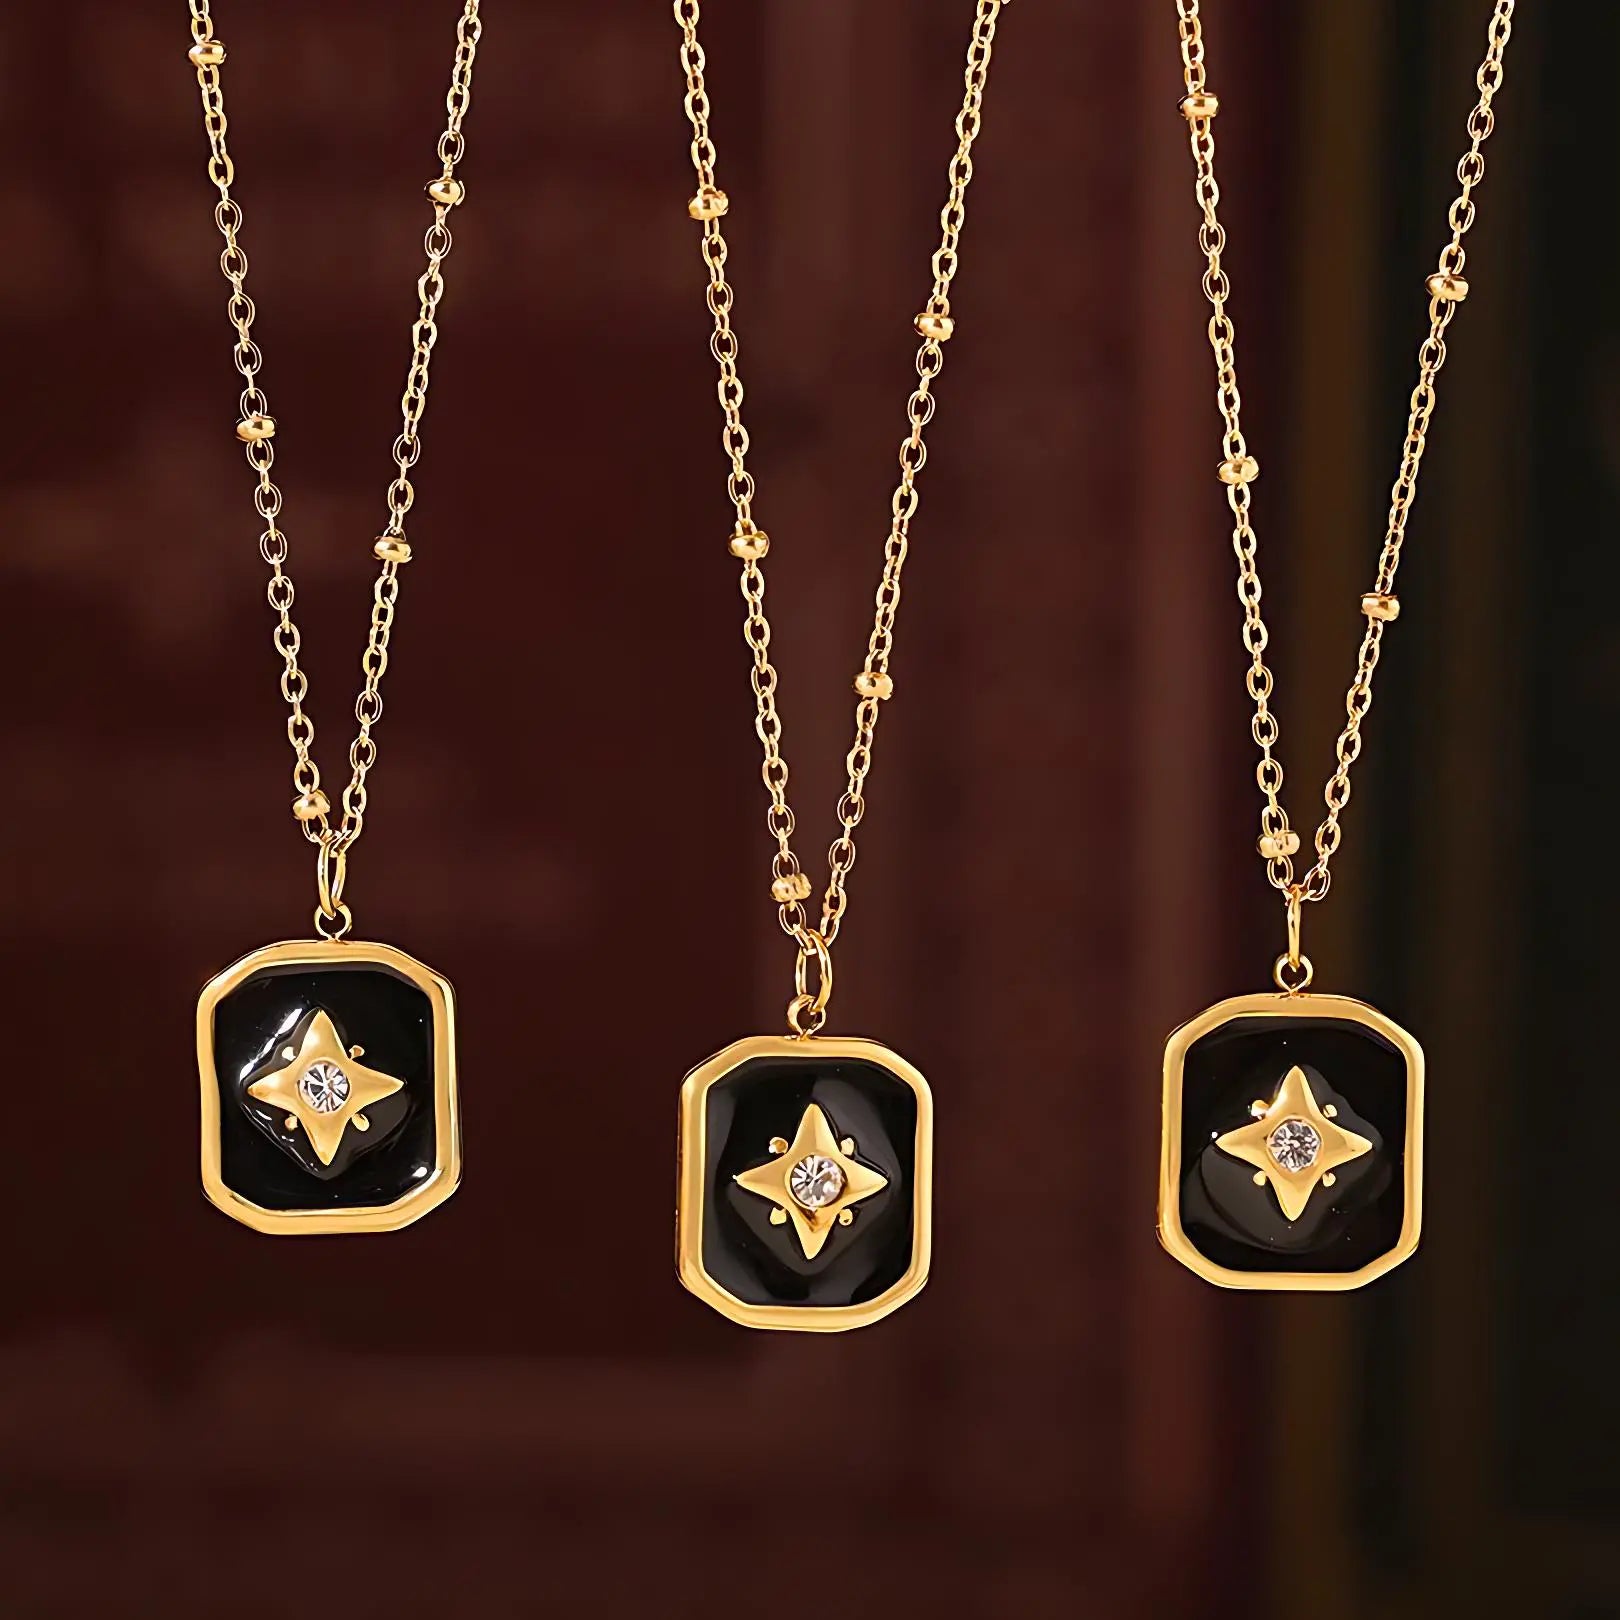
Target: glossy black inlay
(1236,1224)
(372,1006)
(763,1264)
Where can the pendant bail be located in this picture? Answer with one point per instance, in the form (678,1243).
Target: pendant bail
(1292,970)
(333,919)
(806,1013)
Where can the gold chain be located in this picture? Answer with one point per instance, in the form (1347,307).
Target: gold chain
(1447,288)
(789,884)
(257,431)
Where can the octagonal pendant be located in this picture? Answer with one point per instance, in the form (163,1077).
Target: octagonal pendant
(1292,1154)
(804,1182)
(328,1088)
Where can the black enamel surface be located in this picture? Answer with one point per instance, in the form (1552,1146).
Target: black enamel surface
(1241,1226)
(372,1006)
(762,1264)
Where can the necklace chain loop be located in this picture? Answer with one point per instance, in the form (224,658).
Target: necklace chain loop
(873,685)
(257,430)
(1447,289)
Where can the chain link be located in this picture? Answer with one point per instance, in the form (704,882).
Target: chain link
(874,677)
(333,841)
(1431,356)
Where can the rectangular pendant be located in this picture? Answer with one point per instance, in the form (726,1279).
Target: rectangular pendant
(805,1182)
(328,1078)
(1292,1150)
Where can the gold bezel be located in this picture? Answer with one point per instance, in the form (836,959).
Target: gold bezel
(690,1203)
(410,1206)
(1266,1005)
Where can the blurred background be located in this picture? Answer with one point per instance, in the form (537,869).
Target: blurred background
(511,1409)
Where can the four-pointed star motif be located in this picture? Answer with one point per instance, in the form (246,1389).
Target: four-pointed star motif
(812,1220)
(323,1088)
(1293,1105)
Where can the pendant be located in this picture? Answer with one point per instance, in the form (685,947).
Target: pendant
(1292,1150)
(804,1196)
(328,1088)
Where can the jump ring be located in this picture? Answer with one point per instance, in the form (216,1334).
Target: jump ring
(803,1018)
(337,924)
(331,872)
(807,1012)
(811,944)
(1292,977)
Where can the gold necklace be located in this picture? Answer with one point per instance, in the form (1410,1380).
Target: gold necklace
(298,1134)
(1292,1155)
(805,1161)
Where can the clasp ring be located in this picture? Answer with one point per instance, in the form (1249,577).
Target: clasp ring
(807,1012)
(333,919)
(1292,970)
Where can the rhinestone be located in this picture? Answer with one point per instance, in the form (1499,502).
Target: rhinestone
(1294,1145)
(815,1181)
(324,1087)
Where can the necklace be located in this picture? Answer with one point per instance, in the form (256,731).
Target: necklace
(805,1160)
(298,1133)
(1292,1154)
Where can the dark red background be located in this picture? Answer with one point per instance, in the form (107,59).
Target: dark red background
(511,1409)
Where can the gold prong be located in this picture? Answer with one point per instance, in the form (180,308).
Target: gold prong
(288,1053)
(846,1217)
(1259,1178)
(779,1144)
(778,1217)
(290,1123)
(357,1051)
(1258,1107)
(847,1145)
(1331,1111)
(1328,1178)
(360,1122)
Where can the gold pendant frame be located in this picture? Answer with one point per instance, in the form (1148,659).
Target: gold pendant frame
(446,1172)
(1342,1009)
(691,1178)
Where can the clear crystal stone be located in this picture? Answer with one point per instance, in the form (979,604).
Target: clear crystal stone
(815,1181)
(1294,1144)
(324,1087)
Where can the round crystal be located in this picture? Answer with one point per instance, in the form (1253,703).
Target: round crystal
(815,1181)
(1294,1144)
(324,1087)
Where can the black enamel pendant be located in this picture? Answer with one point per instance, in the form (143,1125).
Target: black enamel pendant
(804,1182)
(328,1088)
(1293,1143)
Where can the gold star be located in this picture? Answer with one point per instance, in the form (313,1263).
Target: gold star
(812,1212)
(1293,1104)
(323,1088)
